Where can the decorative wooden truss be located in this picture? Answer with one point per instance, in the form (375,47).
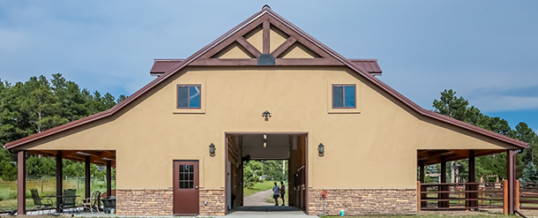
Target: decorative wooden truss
(271,51)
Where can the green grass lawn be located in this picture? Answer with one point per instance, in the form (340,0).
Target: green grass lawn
(45,187)
(258,187)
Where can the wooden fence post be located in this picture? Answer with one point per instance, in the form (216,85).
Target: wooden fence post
(461,195)
(517,194)
(419,195)
(483,195)
(505,197)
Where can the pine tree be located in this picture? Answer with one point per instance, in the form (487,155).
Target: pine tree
(530,174)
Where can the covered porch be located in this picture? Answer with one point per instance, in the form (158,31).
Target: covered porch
(105,158)
(470,194)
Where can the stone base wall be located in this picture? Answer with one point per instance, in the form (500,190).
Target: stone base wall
(216,202)
(144,202)
(364,201)
(160,202)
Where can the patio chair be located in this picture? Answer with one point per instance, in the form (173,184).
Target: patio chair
(69,199)
(38,202)
(92,202)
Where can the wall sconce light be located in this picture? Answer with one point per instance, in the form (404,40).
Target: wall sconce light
(212,150)
(264,141)
(266,115)
(321,149)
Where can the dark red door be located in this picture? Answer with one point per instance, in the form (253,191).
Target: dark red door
(186,187)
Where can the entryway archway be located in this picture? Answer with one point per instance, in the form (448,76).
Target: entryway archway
(243,147)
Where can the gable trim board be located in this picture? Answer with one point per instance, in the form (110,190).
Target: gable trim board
(160,66)
(264,17)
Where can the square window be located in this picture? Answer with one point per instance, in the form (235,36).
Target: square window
(189,96)
(344,96)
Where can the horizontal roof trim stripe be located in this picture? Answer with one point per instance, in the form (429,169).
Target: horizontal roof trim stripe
(349,63)
(162,65)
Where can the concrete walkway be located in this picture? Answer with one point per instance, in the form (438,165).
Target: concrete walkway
(256,206)
(267,211)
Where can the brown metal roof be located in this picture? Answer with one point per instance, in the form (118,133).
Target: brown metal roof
(368,65)
(162,65)
(318,46)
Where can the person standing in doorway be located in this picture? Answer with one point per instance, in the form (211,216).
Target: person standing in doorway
(282,192)
(276,192)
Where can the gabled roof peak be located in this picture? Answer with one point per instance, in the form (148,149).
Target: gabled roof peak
(266,18)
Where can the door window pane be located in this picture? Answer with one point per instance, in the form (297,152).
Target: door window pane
(186,176)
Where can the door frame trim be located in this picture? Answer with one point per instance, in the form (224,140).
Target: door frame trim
(267,133)
(173,190)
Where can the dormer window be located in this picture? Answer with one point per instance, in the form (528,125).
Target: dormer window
(189,96)
(344,96)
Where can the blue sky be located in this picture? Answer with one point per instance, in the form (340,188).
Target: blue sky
(487,51)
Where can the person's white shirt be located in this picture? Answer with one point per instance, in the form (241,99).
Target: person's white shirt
(276,190)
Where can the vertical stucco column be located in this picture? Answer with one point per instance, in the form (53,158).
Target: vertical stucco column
(59,184)
(511,175)
(21,182)
(87,177)
(421,172)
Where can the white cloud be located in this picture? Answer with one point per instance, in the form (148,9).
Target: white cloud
(489,91)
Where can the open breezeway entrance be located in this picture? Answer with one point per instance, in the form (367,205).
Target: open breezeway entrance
(243,147)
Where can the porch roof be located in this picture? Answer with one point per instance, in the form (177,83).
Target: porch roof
(429,157)
(98,157)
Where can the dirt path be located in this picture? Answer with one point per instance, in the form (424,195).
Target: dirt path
(258,199)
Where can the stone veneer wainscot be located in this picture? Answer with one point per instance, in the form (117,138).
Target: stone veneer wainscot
(216,202)
(364,201)
(159,202)
(144,202)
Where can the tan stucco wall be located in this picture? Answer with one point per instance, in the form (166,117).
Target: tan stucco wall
(233,51)
(276,38)
(371,147)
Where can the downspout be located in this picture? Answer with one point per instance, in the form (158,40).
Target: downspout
(515,210)
(519,213)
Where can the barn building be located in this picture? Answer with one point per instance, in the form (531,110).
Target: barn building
(265,90)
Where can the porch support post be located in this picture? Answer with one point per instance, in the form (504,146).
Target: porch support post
(443,196)
(511,175)
(59,184)
(21,182)
(108,178)
(471,201)
(423,189)
(87,177)
(421,174)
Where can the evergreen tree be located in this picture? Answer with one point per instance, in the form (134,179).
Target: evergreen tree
(37,105)
(457,107)
(530,174)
